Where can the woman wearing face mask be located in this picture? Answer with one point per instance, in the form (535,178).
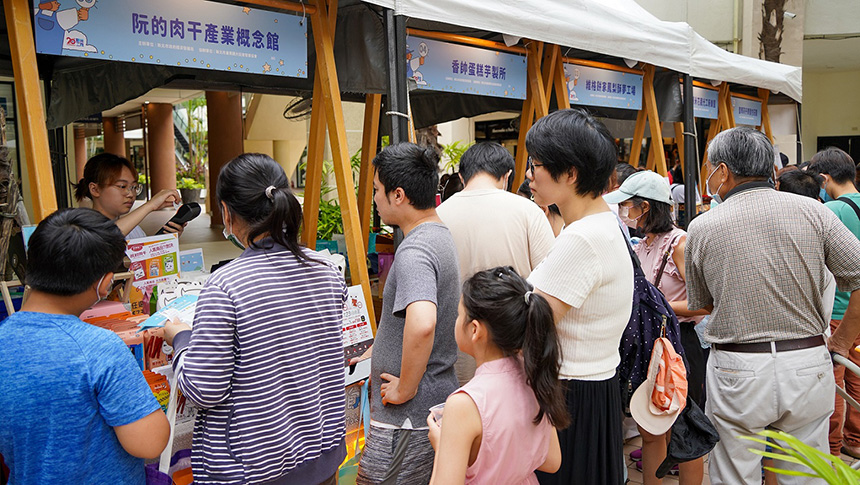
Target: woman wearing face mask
(265,359)
(644,202)
(110,182)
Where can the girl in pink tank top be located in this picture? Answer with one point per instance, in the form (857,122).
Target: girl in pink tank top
(501,426)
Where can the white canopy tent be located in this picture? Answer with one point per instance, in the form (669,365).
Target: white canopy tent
(619,28)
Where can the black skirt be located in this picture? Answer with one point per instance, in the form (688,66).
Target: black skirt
(592,449)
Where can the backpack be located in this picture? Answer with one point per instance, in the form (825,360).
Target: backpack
(651,318)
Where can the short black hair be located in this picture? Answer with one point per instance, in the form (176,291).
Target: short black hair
(658,219)
(487,157)
(525,190)
(801,182)
(71,249)
(571,139)
(412,168)
(624,170)
(836,163)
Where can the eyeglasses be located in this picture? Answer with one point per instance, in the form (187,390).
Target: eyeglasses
(133,189)
(531,166)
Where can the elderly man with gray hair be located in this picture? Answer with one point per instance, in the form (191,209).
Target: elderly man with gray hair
(759,262)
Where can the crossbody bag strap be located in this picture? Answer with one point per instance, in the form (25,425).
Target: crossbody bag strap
(852,204)
(665,260)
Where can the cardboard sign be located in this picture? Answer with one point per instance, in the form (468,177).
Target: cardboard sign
(154,259)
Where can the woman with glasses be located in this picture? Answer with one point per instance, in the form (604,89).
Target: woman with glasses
(110,182)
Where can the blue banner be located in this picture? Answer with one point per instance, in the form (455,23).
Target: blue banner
(705,103)
(746,111)
(186,33)
(455,68)
(592,86)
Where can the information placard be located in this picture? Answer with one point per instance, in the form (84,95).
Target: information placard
(593,86)
(188,33)
(443,66)
(705,103)
(154,259)
(746,111)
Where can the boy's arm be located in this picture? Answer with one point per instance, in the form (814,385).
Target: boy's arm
(419,332)
(145,438)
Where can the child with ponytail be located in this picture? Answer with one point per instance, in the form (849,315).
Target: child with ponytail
(501,426)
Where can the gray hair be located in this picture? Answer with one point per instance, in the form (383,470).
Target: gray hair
(745,151)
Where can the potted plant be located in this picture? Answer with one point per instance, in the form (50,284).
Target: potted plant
(189,189)
(143,181)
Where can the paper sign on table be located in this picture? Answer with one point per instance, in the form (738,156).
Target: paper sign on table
(191,260)
(154,259)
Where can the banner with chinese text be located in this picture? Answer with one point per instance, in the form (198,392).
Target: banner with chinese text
(188,33)
(592,86)
(705,103)
(440,66)
(746,111)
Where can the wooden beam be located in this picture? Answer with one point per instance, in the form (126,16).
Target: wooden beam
(713,129)
(34,134)
(550,54)
(535,81)
(462,39)
(316,151)
(726,115)
(603,65)
(764,94)
(526,119)
(369,139)
(561,93)
(638,136)
(327,71)
(679,142)
(654,120)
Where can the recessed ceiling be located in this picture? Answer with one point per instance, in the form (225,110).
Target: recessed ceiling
(158,95)
(831,55)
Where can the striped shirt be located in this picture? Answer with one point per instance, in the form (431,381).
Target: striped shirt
(265,365)
(761,258)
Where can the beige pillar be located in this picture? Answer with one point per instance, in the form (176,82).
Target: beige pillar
(162,147)
(114,140)
(80,153)
(287,153)
(224,112)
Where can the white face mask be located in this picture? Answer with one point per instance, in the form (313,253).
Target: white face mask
(624,215)
(98,287)
(716,194)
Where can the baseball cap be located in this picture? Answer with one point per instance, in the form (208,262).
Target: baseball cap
(645,184)
(660,399)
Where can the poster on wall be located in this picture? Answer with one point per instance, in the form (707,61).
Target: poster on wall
(455,68)
(746,111)
(188,33)
(593,86)
(154,260)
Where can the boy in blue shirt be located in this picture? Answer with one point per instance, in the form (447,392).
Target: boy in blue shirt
(74,405)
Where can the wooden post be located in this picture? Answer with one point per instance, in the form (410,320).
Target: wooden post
(713,129)
(369,138)
(727,116)
(535,81)
(679,142)
(654,120)
(34,134)
(526,120)
(550,54)
(764,94)
(638,136)
(561,93)
(314,159)
(326,71)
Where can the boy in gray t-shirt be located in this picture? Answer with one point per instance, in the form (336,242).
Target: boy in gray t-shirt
(415,350)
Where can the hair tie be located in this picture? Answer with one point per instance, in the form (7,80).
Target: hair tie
(269,190)
(526,296)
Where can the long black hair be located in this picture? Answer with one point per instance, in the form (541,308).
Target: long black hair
(255,188)
(520,320)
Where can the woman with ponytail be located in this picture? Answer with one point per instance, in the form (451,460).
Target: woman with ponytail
(265,359)
(501,426)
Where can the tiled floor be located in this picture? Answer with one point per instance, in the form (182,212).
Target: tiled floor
(635,476)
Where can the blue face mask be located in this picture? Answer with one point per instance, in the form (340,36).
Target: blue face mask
(823,195)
